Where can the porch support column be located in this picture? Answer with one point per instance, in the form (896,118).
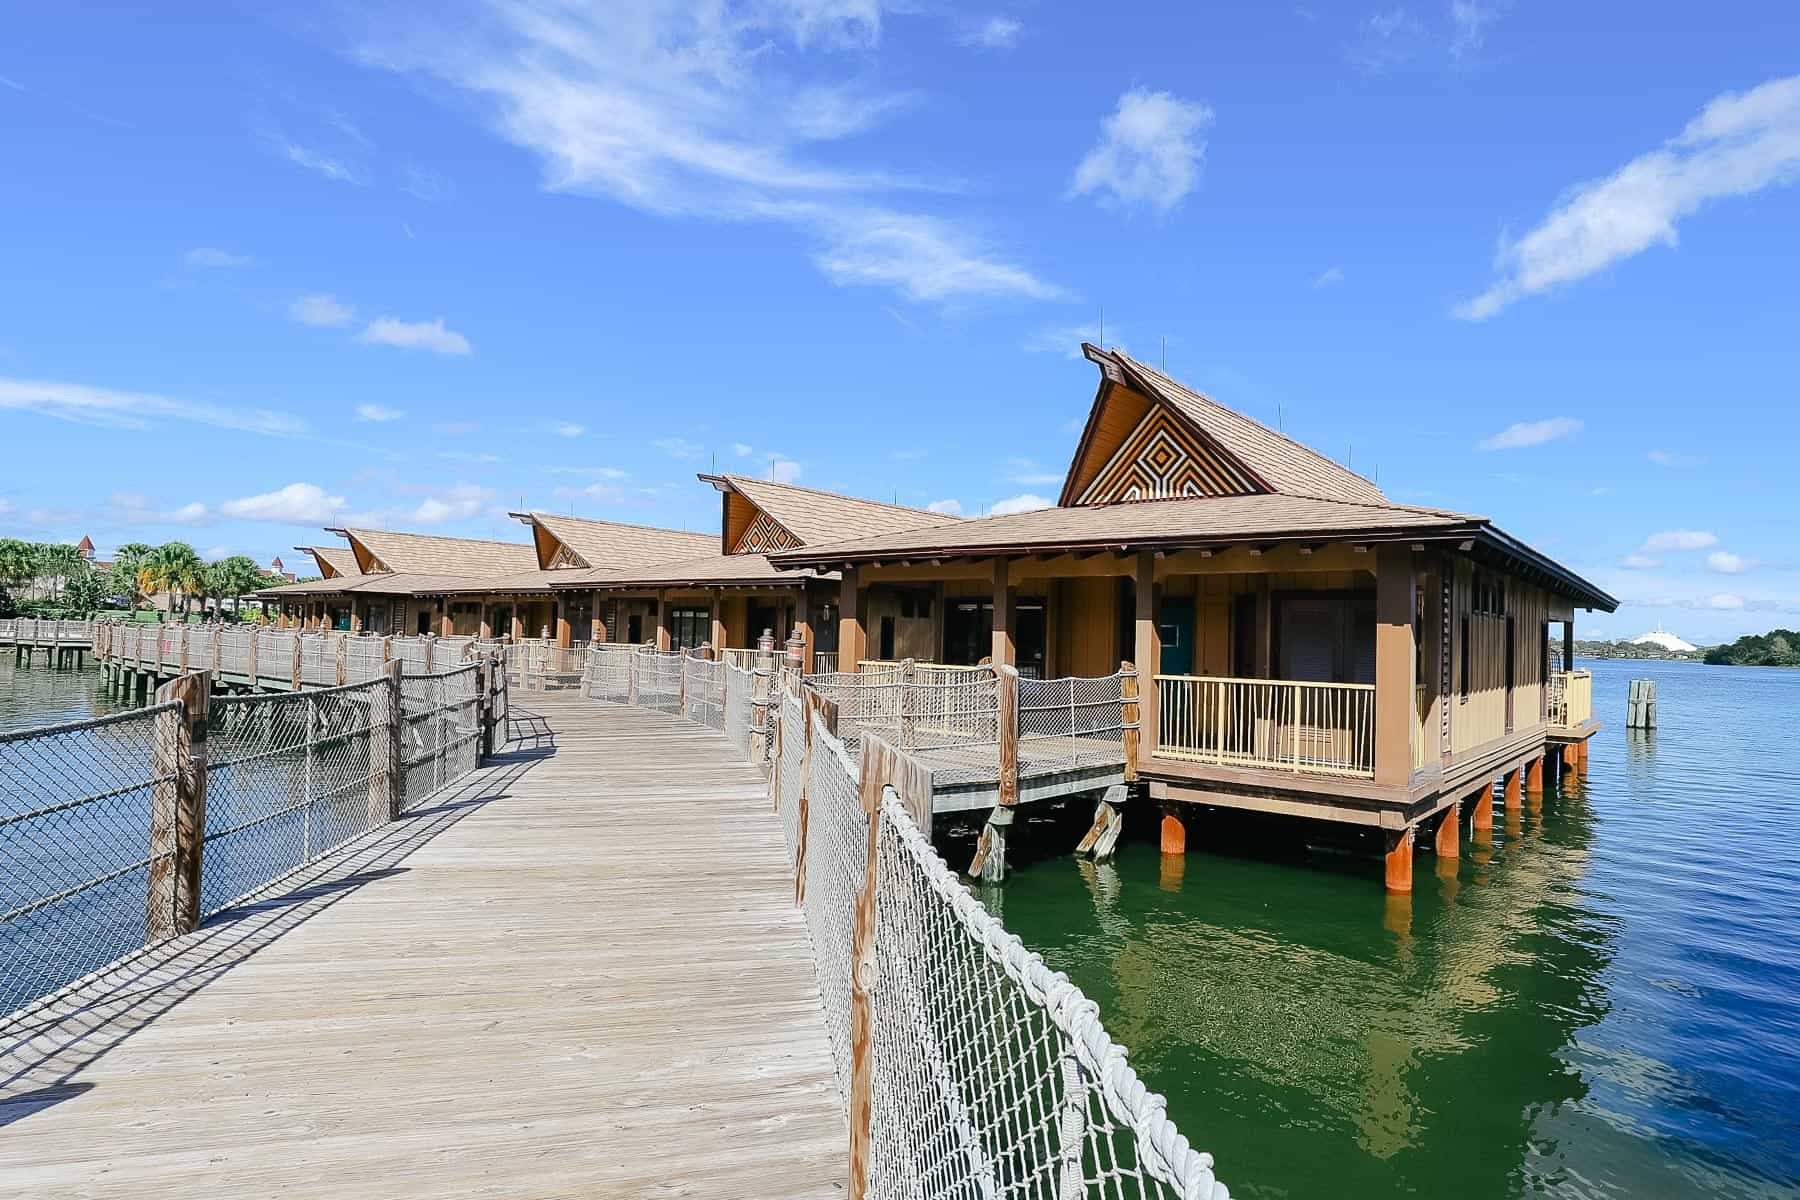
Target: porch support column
(356,617)
(1399,872)
(718,622)
(1534,776)
(518,622)
(446,623)
(1393,665)
(1569,645)
(1004,650)
(1147,646)
(804,627)
(853,638)
(662,620)
(564,634)
(597,632)
(1265,627)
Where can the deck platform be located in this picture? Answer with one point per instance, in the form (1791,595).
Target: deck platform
(580,972)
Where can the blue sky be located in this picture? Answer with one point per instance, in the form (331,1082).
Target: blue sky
(265,272)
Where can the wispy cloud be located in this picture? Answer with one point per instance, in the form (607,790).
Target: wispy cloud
(1330,277)
(950,508)
(415,335)
(135,508)
(1640,562)
(1666,540)
(1028,472)
(1066,339)
(782,470)
(1531,433)
(706,113)
(212,256)
(679,447)
(457,428)
(1469,21)
(993,33)
(1385,39)
(1673,458)
(378,413)
(136,410)
(1149,152)
(1740,144)
(295,504)
(320,162)
(320,308)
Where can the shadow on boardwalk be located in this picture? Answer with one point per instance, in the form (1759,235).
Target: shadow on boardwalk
(44,1047)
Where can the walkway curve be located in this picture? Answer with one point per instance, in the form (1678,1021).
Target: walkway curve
(578,973)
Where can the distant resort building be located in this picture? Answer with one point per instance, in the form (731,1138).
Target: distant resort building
(1664,640)
(1306,646)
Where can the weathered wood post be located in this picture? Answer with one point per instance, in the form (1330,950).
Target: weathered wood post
(909,707)
(343,660)
(178,808)
(185,630)
(631,678)
(430,654)
(218,641)
(1640,706)
(681,685)
(387,649)
(796,653)
(990,852)
(252,668)
(387,782)
(759,696)
(296,666)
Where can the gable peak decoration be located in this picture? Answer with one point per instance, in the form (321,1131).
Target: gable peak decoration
(1162,460)
(764,535)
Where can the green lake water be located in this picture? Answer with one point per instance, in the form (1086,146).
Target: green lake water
(1604,1003)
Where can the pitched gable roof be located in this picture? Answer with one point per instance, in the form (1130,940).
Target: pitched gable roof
(610,545)
(1273,460)
(432,554)
(332,561)
(814,516)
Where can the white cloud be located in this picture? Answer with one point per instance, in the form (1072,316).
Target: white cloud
(467,456)
(1328,278)
(193,513)
(212,256)
(1679,539)
(565,429)
(414,335)
(135,410)
(721,113)
(1148,152)
(950,508)
(459,503)
(783,470)
(328,165)
(297,503)
(1640,562)
(605,492)
(1469,21)
(1741,143)
(595,472)
(995,33)
(378,413)
(320,308)
(679,447)
(1029,473)
(1727,563)
(136,508)
(1022,503)
(1531,433)
(742,449)
(1720,601)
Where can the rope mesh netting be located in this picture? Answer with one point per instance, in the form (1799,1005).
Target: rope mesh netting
(75,803)
(704,691)
(792,765)
(738,685)
(440,729)
(608,673)
(837,840)
(659,680)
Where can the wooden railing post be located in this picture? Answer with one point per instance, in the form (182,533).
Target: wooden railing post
(1128,717)
(862,1009)
(631,678)
(218,641)
(430,654)
(387,783)
(909,707)
(990,851)
(681,684)
(298,682)
(251,668)
(184,649)
(178,808)
(343,659)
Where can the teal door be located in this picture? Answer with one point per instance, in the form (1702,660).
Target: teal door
(1175,625)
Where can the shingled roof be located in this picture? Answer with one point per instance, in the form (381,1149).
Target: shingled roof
(613,545)
(431,554)
(333,560)
(712,570)
(815,516)
(1278,461)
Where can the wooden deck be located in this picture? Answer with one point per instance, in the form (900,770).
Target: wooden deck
(578,973)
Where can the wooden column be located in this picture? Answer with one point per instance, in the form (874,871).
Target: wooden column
(1448,843)
(1147,651)
(1481,808)
(1568,645)
(565,633)
(446,625)
(487,628)
(662,621)
(1534,776)
(718,623)
(853,638)
(1399,865)
(990,851)
(518,625)
(1394,662)
(356,618)
(386,779)
(1004,650)
(1513,797)
(1264,634)
(804,630)
(599,632)
(1129,717)
(1174,830)
(178,809)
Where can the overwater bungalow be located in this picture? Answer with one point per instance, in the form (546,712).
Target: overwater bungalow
(1315,648)
(726,592)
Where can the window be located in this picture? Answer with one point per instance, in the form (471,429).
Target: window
(1488,594)
(689,627)
(1463,656)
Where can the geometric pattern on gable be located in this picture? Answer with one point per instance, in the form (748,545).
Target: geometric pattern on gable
(763,536)
(565,557)
(1161,460)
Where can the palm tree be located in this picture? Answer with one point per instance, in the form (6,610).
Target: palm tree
(126,561)
(58,562)
(18,563)
(172,567)
(234,577)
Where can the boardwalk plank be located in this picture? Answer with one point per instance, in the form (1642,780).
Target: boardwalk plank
(578,973)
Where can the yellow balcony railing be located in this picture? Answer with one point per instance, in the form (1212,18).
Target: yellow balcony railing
(1270,724)
(1570,698)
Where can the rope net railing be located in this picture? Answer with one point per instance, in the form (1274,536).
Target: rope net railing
(607,674)
(987,1073)
(740,684)
(75,803)
(88,822)
(1077,721)
(703,690)
(47,631)
(659,679)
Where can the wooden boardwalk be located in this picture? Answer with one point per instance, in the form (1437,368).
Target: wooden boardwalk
(578,973)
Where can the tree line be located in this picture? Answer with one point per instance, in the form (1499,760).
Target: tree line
(64,584)
(1776,648)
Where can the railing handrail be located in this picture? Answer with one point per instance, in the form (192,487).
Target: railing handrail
(1364,687)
